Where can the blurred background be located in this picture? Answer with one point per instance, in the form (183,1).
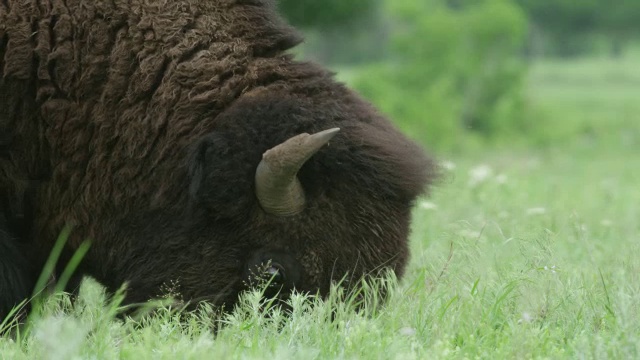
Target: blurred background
(463,75)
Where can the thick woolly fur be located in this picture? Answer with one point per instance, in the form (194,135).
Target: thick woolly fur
(16,276)
(143,122)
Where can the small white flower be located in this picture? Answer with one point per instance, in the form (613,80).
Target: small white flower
(526,317)
(536,211)
(479,174)
(448,165)
(501,179)
(427,205)
(60,337)
(407,331)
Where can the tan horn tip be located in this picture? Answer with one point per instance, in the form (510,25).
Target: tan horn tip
(326,135)
(313,143)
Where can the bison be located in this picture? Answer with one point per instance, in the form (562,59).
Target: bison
(184,142)
(15,275)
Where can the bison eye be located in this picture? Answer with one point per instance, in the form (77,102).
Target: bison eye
(275,272)
(277,269)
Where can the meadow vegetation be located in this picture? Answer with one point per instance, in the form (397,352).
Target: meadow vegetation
(521,253)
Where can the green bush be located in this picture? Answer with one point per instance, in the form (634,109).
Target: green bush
(325,14)
(453,70)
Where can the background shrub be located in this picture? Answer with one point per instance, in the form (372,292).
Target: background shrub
(452,71)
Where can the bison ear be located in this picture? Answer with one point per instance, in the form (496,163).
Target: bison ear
(396,167)
(221,175)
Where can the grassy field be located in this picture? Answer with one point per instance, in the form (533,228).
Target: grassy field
(518,254)
(588,100)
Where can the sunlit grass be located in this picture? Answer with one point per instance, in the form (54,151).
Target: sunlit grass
(515,256)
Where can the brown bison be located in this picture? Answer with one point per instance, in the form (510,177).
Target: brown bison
(182,140)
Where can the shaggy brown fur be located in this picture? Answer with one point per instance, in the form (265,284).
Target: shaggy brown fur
(145,121)
(16,275)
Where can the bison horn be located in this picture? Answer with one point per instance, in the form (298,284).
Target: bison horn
(277,186)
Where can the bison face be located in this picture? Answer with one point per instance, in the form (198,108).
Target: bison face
(286,195)
(304,191)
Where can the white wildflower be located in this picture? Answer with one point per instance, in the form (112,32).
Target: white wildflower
(427,205)
(448,165)
(407,331)
(479,174)
(526,317)
(536,211)
(60,337)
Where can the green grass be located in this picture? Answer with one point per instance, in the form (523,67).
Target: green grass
(518,254)
(589,100)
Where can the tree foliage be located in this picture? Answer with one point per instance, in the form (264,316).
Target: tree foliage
(444,79)
(325,13)
(620,20)
(570,23)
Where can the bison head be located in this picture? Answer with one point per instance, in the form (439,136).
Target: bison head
(283,190)
(280,186)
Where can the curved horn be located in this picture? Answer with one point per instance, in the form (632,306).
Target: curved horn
(277,186)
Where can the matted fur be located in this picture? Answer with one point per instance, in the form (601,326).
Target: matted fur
(144,121)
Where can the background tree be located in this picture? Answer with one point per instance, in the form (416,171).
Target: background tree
(339,31)
(441,79)
(619,21)
(570,26)
(566,24)
(326,13)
